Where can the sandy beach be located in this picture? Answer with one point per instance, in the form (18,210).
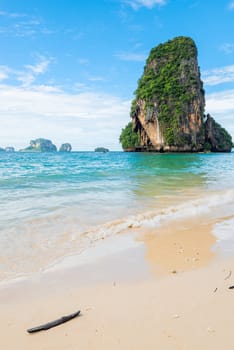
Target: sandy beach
(129,299)
(117,175)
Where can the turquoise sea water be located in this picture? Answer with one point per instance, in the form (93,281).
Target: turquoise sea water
(53,204)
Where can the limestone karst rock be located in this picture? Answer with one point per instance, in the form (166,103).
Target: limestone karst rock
(217,138)
(168,110)
(65,147)
(40,145)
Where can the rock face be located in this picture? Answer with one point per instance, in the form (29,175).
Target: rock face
(40,145)
(168,110)
(65,147)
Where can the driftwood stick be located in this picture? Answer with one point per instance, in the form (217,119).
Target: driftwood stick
(55,323)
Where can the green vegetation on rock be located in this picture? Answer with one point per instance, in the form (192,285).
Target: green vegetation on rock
(170,82)
(217,138)
(128,138)
(168,109)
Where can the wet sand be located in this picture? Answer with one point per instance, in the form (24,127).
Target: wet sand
(179,247)
(168,291)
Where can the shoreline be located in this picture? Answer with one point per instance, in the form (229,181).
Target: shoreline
(209,207)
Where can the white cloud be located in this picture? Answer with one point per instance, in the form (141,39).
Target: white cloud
(134,57)
(221,106)
(86,120)
(3,76)
(11,14)
(4,73)
(40,67)
(135,4)
(219,102)
(30,73)
(22,25)
(227,48)
(218,75)
(26,78)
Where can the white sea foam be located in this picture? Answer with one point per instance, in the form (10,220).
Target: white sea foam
(48,253)
(219,203)
(224,232)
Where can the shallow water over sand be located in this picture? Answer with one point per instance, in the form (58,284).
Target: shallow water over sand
(53,205)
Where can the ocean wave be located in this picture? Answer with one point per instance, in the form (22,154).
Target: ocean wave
(48,250)
(210,202)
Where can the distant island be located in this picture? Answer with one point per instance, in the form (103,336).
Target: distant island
(7,149)
(65,147)
(40,145)
(44,145)
(101,149)
(168,110)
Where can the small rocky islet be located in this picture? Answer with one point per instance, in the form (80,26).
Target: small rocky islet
(101,149)
(168,110)
(65,147)
(7,149)
(44,145)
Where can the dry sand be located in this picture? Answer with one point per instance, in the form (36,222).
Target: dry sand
(184,304)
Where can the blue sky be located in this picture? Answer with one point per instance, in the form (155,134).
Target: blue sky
(68,69)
